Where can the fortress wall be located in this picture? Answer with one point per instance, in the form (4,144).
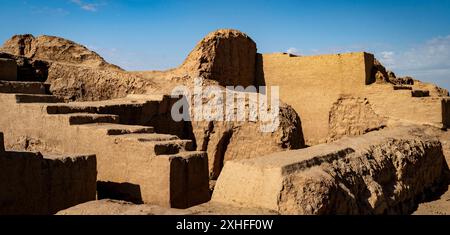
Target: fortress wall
(311,84)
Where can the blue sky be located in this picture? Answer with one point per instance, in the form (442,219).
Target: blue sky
(411,37)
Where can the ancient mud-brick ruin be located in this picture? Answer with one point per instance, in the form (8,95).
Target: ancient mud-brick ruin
(82,136)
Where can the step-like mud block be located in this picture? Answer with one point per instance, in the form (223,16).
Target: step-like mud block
(119,129)
(28,98)
(173,146)
(402,87)
(84,118)
(33,184)
(187,176)
(22,87)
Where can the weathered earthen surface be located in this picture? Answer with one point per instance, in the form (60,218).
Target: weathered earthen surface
(225,56)
(33,184)
(353,116)
(436,206)
(72,70)
(114,207)
(50,48)
(32,144)
(435,91)
(382,172)
(85,84)
(439,204)
(233,140)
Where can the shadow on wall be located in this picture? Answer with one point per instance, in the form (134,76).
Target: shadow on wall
(119,191)
(259,78)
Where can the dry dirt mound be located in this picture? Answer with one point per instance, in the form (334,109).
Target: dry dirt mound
(72,70)
(226,56)
(234,140)
(80,83)
(52,48)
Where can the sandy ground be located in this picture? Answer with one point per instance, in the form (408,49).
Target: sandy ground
(440,206)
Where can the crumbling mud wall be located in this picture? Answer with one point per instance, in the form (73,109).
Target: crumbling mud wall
(383,172)
(33,184)
(401,105)
(233,140)
(353,116)
(78,83)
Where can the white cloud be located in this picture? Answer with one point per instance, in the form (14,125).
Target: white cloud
(387,58)
(428,61)
(292,50)
(93,7)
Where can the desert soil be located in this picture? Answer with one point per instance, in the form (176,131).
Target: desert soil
(441,205)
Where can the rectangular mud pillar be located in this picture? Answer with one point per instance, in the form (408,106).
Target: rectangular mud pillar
(8,70)
(186,181)
(446,112)
(31,184)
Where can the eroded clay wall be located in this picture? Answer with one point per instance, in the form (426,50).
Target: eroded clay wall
(33,184)
(350,176)
(311,84)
